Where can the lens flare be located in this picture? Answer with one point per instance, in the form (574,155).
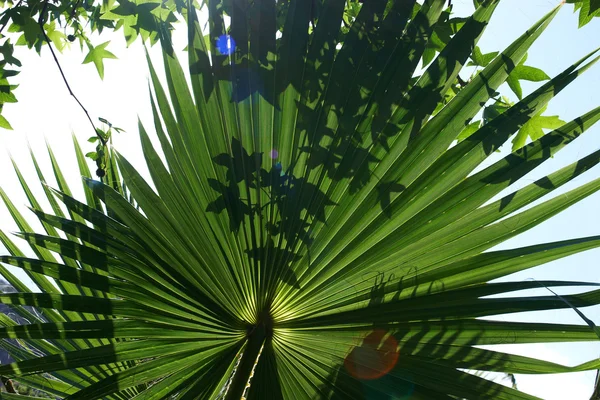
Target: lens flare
(375,358)
(225,44)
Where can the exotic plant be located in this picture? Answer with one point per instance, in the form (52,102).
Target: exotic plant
(312,228)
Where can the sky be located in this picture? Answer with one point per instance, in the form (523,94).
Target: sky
(46,112)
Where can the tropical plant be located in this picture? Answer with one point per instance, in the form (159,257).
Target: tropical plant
(311,229)
(57,24)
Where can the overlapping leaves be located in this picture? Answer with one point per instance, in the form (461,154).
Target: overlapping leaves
(312,227)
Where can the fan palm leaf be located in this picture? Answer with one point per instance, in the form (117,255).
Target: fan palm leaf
(310,227)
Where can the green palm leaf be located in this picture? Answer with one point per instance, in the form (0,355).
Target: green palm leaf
(311,229)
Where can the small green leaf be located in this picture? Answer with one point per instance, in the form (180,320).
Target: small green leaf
(104,121)
(7,50)
(468,131)
(4,123)
(588,9)
(528,73)
(107,5)
(428,56)
(7,97)
(525,73)
(480,59)
(534,128)
(31,32)
(495,109)
(56,36)
(97,55)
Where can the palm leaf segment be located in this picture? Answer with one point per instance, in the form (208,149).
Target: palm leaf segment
(309,225)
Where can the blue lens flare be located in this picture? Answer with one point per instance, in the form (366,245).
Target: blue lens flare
(225,44)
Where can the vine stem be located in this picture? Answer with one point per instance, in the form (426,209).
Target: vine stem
(49,43)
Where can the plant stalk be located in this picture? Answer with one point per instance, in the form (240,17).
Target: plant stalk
(256,339)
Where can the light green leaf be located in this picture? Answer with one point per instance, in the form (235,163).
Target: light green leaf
(97,54)
(468,131)
(480,59)
(57,37)
(497,108)
(588,9)
(527,73)
(4,123)
(534,128)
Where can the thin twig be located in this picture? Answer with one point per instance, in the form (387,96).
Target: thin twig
(41,24)
(74,9)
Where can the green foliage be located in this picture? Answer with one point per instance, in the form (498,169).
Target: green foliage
(444,29)
(6,89)
(525,73)
(588,9)
(496,108)
(96,55)
(469,129)
(103,139)
(481,60)
(306,230)
(69,21)
(143,18)
(66,21)
(534,128)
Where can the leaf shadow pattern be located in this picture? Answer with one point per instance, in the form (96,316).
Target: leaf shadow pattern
(392,361)
(319,74)
(294,212)
(349,115)
(527,158)
(341,78)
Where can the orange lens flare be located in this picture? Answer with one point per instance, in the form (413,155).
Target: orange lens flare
(375,358)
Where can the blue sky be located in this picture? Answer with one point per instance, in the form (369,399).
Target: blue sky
(46,111)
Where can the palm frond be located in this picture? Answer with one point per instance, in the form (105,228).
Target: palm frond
(311,229)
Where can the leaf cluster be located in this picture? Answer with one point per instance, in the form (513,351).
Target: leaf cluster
(588,9)
(310,228)
(66,22)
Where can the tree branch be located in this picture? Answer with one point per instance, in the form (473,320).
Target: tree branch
(47,39)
